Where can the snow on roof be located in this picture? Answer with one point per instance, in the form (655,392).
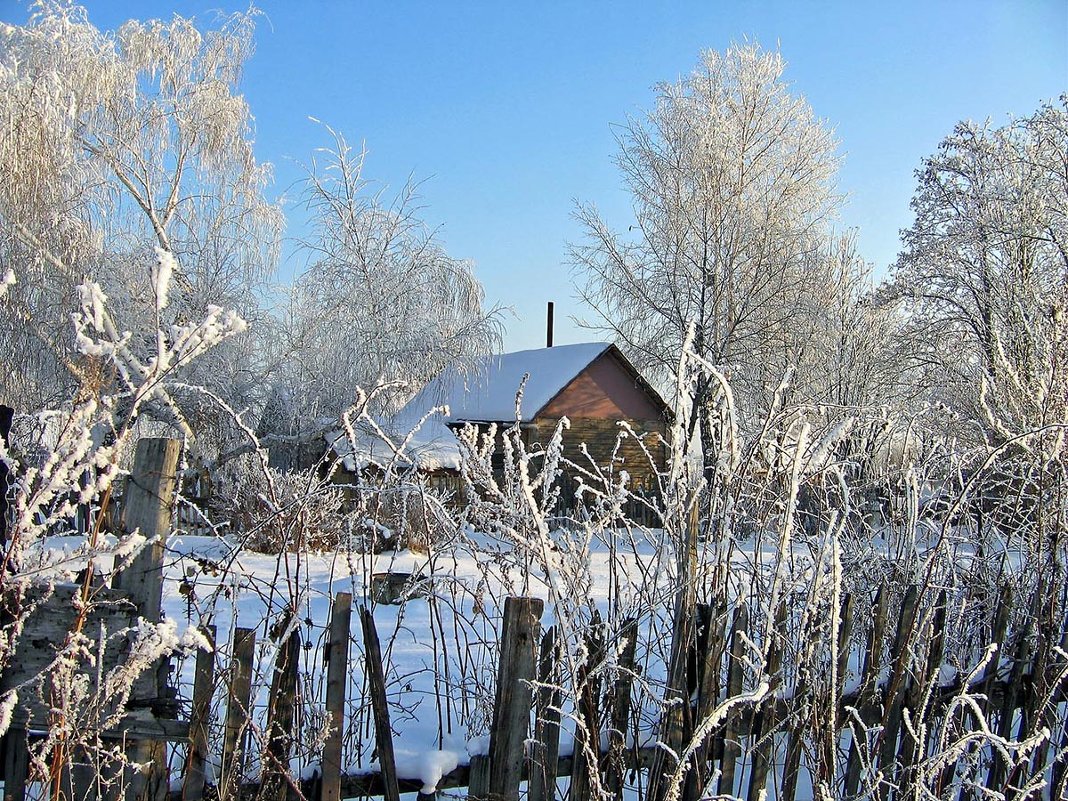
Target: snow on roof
(432,447)
(483,395)
(487,394)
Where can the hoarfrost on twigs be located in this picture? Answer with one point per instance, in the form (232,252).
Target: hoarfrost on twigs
(8,280)
(162,272)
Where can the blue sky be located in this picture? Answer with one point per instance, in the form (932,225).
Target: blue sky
(506,110)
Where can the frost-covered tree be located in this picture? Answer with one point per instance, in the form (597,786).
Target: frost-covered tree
(982,276)
(981,282)
(381,301)
(839,341)
(731,182)
(109,141)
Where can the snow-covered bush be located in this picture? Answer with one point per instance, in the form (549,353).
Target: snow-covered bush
(294,511)
(411,516)
(82,452)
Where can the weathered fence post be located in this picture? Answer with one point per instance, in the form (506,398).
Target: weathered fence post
(827,745)
(897,689)
(765,723)
(337,657)
(16,761)
(620,710)
(935,639)
(586,759)
(1021,656)
(376,681)
(845,629)
(203,688)
(511,708)
(545,750)
(275,780)
(709,656)
(478,781)
(7,414)
(676,724)
(872,664)
(1042,680)
(147,508)
(731,747)
(1059,770)
(239,698)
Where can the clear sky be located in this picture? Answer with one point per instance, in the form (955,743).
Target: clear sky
(507,109)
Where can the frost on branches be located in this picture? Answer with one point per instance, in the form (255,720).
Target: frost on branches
(981,279)
(115,142)
(81,459)
(731,177)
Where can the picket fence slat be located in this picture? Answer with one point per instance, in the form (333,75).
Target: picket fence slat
(1021,655)
(1048,672)
(16,762)
(203,688)
(337,657)
(281,712)
(545,750)
(376,682)
(709,658)
(515,676)
(872,662)
(897,690)
(676,725)
(588,730)
(239,698)
(731,735)
(764,724)
(478,779)
(619,710)
(935,639)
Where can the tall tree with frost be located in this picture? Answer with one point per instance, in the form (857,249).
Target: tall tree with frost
(731,183)
(982,277)
(381,300)
(113,142)
(983,282)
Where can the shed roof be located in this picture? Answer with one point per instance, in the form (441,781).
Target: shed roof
(488,393)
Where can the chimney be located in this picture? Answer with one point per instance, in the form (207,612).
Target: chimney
(549,326)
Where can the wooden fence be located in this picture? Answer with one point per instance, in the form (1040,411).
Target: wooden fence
(860,738)
(776,743)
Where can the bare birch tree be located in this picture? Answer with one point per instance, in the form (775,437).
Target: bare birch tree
(731,179)
(381,301)
(114,140)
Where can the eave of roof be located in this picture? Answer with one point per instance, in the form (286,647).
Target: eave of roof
(488,396)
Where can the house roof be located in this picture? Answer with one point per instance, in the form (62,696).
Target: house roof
(487,394)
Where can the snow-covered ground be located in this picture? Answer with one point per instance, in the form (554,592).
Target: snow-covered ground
(440,645)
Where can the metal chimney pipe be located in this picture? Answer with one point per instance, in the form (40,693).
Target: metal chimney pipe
(549,326)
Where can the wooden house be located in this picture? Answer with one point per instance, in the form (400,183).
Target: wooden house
(592,384)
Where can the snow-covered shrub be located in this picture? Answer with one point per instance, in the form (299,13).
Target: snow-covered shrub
(271,512)
(410,516)
(81,453)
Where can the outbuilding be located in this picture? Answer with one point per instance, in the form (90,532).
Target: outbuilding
(592,384)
